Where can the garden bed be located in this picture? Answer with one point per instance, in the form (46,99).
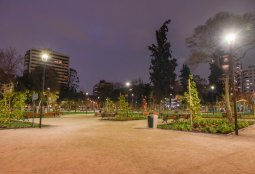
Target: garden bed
(125,118)
(37,115)
(221,126)
(14,124)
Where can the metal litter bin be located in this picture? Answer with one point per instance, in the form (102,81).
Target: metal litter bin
(152,121)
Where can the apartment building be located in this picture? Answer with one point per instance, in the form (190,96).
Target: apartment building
(249,79)
(57,61)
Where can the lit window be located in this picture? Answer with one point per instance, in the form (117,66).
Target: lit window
(58,61)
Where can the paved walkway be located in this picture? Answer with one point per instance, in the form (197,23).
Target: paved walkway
(86,145)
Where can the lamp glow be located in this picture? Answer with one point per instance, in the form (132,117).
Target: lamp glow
(45,57)
(230,38)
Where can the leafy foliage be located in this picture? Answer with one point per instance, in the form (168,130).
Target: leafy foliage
(206,40)
(103,90)
(123,106)
(12,106)
(202,87)
(109,105)
(206,125)
(162,66)
(193,102)
(215,79)
(184,76)
(14,124)
(33,80)
(73,81)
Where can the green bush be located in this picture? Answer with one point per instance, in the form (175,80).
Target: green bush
(206,125)
(17,124)
(121,118)
(131,116)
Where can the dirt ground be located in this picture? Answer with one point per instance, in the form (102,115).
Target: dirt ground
(87,145)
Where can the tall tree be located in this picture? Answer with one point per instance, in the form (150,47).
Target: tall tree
(162,68)
(103,90)
(73,82)
(206,41)
(184,76)
(35,79)
(70,91)
(202,87)
(140,92)
(215,79)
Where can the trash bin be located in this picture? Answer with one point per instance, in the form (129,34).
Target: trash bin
(152,121)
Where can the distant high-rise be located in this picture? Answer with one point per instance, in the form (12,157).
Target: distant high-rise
(249,79)
(57,61)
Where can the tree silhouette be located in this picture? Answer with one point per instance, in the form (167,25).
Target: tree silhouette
(162,68)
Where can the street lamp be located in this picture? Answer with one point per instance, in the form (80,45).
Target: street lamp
(128,84)
(212,88)
(45,57)
(132,102)
(230,39)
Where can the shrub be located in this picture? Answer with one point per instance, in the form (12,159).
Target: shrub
(206,125)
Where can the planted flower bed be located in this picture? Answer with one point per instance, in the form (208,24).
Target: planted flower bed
(221,126)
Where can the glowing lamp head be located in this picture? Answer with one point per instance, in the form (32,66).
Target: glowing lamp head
(45,57)
(128,84)
(230,38)
(212,87)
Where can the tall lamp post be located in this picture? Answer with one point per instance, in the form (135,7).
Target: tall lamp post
(231,38)
(212,90)
(45,57)
(86,99)
(128,84)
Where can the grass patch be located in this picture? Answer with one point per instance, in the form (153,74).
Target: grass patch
(126,118)
(211,115)
(221,126)
(15,124)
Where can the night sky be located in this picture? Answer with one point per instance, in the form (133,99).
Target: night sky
(108,39)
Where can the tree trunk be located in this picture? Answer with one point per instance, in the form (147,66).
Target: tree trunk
(227,99)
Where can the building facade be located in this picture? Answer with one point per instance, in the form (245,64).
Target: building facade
(57,61)
(249,79)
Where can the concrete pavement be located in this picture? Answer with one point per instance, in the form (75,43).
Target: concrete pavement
(86,145)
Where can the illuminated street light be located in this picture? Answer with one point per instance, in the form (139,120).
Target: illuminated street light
(231,39)
(45,57)
(212,88)
(128,84)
